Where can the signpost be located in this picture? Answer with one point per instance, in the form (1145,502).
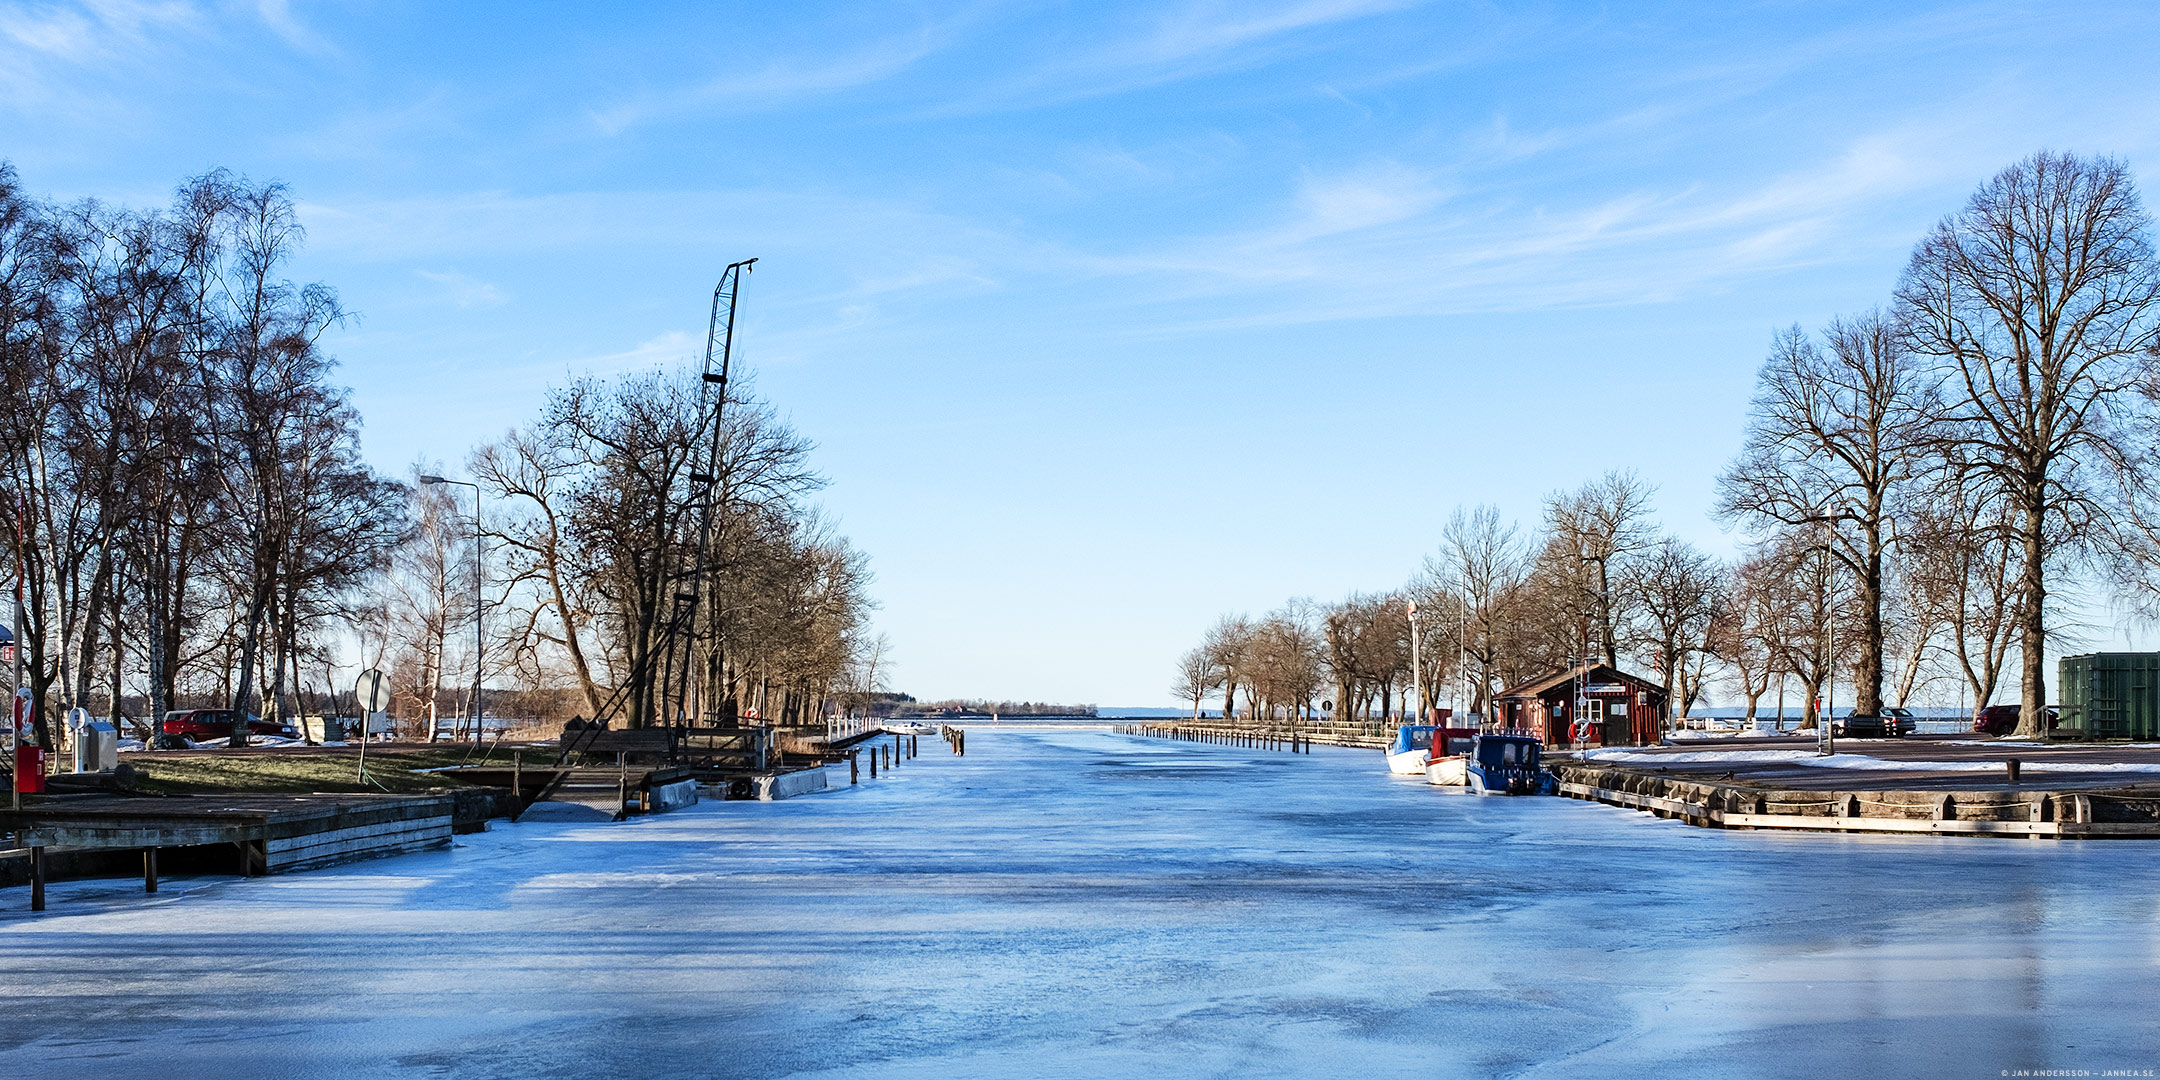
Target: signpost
(372,694)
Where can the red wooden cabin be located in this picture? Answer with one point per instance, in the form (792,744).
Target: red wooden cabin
(1607,705)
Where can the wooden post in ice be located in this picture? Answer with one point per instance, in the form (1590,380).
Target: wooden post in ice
(854,770)
(37,879)
(149,869)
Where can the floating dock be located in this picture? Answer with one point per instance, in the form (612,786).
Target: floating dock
(1943,787)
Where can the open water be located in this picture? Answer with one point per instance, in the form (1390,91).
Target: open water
(1080,904)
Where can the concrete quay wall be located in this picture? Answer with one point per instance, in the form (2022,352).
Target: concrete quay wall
(1871,803)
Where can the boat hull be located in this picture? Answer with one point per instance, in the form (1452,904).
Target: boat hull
(1408,763)
(1449,771)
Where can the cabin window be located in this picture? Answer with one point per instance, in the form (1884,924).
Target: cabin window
(1619,708)
(1594,710)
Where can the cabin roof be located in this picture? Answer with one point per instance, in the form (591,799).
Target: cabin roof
(1539,686)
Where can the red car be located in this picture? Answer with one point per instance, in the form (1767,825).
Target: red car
(204,725)
(2003,719)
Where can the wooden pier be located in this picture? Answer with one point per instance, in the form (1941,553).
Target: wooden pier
(261,834)
(1294,742)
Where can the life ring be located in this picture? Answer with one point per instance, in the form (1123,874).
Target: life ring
(1581,731)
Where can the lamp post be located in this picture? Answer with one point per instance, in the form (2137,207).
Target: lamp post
(1826,734)
(479,638)
(1417,670)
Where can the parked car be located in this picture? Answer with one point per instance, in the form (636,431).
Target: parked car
(1894,723)
(2003,719)
(203,725)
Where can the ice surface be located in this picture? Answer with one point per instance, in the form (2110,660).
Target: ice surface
(1089,905)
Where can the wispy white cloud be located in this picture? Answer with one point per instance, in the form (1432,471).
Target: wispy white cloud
(92,30)
(46,48)
(1386,243)
(279,17)
(660,350)
(780,82)
(463,290)
(1166,45)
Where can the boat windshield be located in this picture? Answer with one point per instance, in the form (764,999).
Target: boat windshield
(1413,737)
(1497,753)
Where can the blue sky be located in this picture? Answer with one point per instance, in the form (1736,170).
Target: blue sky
(1107,318)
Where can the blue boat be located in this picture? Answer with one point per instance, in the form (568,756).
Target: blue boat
(1507,763)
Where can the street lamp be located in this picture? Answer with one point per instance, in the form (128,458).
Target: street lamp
(1826,733)
(1417,670)
(479,638)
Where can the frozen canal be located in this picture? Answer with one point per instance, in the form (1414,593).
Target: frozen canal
(1087,905)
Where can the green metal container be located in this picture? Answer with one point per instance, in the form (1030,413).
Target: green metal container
(2111,695)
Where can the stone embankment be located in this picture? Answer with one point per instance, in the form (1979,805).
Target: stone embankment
(1959,803)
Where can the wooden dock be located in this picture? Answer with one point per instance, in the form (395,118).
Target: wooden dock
(1934,787)
(264,834)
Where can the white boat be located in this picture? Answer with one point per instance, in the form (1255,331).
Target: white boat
(1449,771)
(1412,749)
(1447,765)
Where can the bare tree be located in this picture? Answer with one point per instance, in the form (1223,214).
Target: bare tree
(1676,591)
(2040,298)
(1961,548)
(1600,525)
(1481,561)
(533,475)
(1836,436)
(1198,676)
(1226,645)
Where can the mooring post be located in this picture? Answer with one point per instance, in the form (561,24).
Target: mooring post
(149,869)
(37,879)
(2012,766)
(873,762)
(854,770)
(963,742)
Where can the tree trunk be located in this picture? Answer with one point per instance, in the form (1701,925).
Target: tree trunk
(243,693)
(2032,617)
(1868,672)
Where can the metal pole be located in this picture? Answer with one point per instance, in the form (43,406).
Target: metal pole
(1417,668)
(479,630)
(15,717)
